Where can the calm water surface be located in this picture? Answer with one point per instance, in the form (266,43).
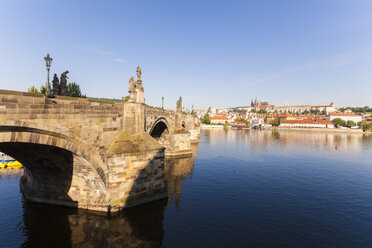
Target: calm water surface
(243,189)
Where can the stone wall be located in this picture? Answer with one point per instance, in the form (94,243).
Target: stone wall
(152,115)
(180,144)
(134,117)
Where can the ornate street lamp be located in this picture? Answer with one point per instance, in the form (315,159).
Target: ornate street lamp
(48,63)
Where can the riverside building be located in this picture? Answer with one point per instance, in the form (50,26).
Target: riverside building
(344,116)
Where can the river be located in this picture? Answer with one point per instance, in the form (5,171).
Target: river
(241,189)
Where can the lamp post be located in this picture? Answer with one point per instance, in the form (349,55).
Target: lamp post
(162,102)
(48,63)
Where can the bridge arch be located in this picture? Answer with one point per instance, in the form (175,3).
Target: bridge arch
(57,169)
(159,128)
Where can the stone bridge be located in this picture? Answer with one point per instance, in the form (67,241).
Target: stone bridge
(93,154)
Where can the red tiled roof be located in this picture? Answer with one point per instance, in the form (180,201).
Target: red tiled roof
(223,118)
(322,106)
(295,106)
(239,123)
(284,115)
(265,106)
(342,114)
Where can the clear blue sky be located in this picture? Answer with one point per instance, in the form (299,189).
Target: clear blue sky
(213,53)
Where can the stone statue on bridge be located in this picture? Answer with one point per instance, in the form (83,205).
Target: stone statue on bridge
(136,90)
(55,82)
(132,90)
(179,105)
(139,73)
(139,79)
(63,84)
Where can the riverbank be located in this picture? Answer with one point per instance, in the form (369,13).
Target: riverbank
(203,126)
(333,130)
(354,131)
(11,172)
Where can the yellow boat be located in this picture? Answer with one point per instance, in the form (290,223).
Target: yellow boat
(15,165)
(3,165)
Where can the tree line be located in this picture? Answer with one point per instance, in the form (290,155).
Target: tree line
(338,122)
(73,90)
(365,109)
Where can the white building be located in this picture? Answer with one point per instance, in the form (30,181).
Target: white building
(307,123)
(218,119)
(293,109)
(303,108)
(344,116)
(212,110)
(325,108)
(200,113)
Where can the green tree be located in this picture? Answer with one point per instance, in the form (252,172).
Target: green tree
(350,123)
(43,89)
(364,109)
(125,99)
(275,122)
(73,89)
(365,126)
(243,120)
(206,119)
(33,89)
(338,122)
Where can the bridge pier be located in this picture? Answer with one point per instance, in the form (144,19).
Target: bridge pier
(180,144)
(136,170)
(134,121)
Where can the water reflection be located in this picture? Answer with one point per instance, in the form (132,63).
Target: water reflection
(49,226)
(288,139)
(175,171)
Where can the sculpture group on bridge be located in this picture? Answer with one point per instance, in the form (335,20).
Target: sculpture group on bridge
(60,87)
(136,90)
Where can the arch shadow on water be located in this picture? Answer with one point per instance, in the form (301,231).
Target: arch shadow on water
(48,226)
(48,171)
